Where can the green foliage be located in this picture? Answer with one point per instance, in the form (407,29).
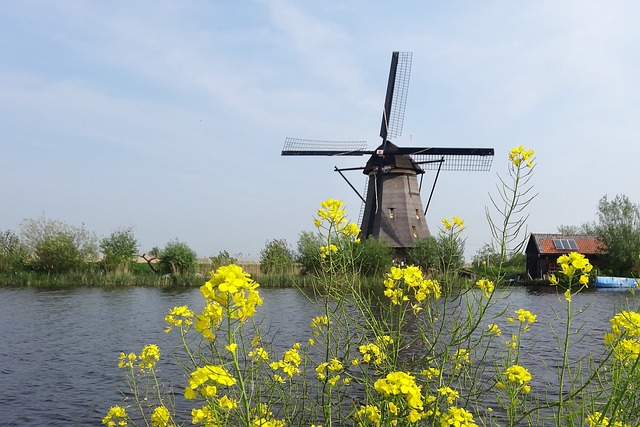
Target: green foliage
(57,254)
(177,258)
(374,257)
(618,228)
(13,253)
(119,248)
(425,254)
(223,258)
(309,252)
(34,231)
(276,257)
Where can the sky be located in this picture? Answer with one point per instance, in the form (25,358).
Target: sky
(169,117)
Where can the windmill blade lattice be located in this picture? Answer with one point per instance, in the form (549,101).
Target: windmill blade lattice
(314,147)
(393,117)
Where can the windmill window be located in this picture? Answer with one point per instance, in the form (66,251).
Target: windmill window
(414,231)
(392,213)
(417,214)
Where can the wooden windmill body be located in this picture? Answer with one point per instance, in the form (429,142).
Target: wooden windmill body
(393,209)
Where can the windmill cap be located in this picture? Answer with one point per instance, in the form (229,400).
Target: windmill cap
(391,160)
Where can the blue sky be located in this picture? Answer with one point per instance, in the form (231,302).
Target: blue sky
(169,116)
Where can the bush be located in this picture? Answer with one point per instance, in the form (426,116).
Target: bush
(34,231)
(374,257)
(223,258)
(119,248)
(309,252)
(57,254)
(276,257)
(13,253)
(425,254)
(177,258)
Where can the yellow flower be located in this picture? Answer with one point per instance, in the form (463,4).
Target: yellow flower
(486,286)
(227,403)
(149,355)
(553,279)
(517,374)
(519,154)
(400,383)
(458,417)
(525,316)
(231,347)
(126,360)
(567,295)
(368,414)
(449,393)
(160,417)
(179,316)
(494,329)
(117,416)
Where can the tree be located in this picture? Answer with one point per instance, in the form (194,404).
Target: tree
(576,230)
(118,249)
(309,252)
(34,231)
(13,253)
(223,258)
(177,258)
(618,228)
(276,257)
(486,254)
(57,254)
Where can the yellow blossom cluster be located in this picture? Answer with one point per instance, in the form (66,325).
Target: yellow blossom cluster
(368,415)
(598,420)
(126,360)
(117,416)
(149,355)
(461,358)
(518,376)
(486,286)
(455,224)
(457,417)
(333,212)
(625,336)
(204,381)
(161,417)
(229,293)
(327,250)
(180,316)
(329,371)
(147,359)
(403,385)
(573,264)
(258,354)
(524,316)
(400,280)
(290,362)
(449,393)
(518,155)
(494,329)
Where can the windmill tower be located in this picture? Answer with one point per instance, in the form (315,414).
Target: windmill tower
(393,209)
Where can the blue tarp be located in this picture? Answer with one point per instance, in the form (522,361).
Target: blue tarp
(615,282)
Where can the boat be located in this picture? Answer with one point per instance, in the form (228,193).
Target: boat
(609,282)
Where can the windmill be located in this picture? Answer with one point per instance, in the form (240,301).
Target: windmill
(393,209)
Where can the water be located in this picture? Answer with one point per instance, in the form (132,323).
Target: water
(59,348)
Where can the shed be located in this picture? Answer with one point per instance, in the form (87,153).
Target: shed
(542,252)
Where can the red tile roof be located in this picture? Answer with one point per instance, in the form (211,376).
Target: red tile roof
(587,245)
